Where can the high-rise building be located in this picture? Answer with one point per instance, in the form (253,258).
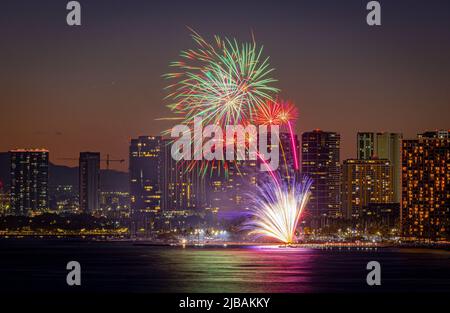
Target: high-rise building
(367,145)
(29,181)
(115,204)
(236,186)
(183,186)
(146,161)
(64,199)
(320,161)
(438,134)
(383,146)
(229,189)
(89,182)
(365,182)
(4,200)
(425,207)
(289,163)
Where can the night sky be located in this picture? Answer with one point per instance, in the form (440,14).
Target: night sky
(94,87)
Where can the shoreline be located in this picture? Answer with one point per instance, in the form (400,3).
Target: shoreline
(228,244)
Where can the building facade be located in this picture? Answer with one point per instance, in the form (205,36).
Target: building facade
(115,204)
(183,186)
(4,200)
(425,207)
(29,181)
(365,182)
(89,182)
(366,145)
(383,146)
(229,190)
(320,159)
(289,159)
(145,182)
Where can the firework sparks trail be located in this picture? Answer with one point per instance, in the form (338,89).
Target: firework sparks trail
(277,209)
(281,113)
(294,148)
(223,82)
(276,112)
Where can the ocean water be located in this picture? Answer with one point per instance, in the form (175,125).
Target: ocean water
(28,265)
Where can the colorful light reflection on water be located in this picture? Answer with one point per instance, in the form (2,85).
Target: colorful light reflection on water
(252,269)
(124,267)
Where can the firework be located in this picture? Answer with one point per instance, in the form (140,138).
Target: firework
(277,209)
(281,113)
(278,112)
(224,83)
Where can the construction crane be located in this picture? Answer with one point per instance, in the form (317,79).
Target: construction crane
(111,160)
(108,160)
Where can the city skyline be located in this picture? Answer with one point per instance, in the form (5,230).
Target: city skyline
(74,162)
(210,155)
(228,82)
(85,85)
(162,193)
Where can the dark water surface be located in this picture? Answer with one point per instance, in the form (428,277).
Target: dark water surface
(40,265)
